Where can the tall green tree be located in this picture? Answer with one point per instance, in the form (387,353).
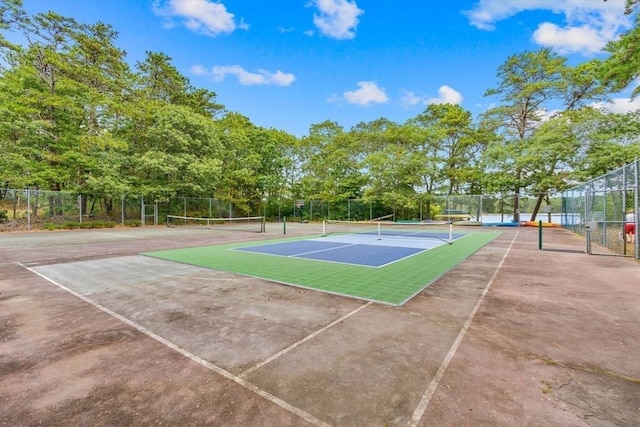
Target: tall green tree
(159,80)
(391,168)
(62,93)
(623,66)
(241,181)
(41,90)
(450,141)
(526,81)
(332,170)
(609,141)
(179,155)
(531,85)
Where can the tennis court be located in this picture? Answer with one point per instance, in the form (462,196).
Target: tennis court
(93,333)
(386,263)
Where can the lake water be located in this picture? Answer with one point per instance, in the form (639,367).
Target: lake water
(556,218)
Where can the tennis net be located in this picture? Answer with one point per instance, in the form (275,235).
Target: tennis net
(391,230)
(253,224)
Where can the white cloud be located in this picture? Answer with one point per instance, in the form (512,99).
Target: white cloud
(446,95)
(337,18)
(619,105)
(367,93)
(200,16)
(409,98)
(334,99)
(199,70)
(245,78)
(569,39)
(545,115)
(590,24)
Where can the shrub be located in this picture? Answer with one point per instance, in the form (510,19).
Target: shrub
(72,225)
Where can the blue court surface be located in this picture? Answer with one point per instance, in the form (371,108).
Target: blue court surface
(350,249)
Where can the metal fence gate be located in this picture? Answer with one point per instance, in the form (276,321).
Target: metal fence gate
(604,210)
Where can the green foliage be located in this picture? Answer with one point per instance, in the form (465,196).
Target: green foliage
(623,66)
(537,152)
(609,142)
(74,225)
(75,117)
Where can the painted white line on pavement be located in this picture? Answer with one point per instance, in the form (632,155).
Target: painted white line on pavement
(244,383)
(303,340)
(426,398)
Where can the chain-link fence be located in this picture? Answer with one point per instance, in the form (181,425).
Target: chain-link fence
(494,208)
(605,211)
(39,209)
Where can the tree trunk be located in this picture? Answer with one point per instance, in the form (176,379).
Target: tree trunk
(536,208)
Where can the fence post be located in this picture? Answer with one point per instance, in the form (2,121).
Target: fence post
(540,234)
(28,209)
(636,202)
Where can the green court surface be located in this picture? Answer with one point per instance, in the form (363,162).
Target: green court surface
(392,284)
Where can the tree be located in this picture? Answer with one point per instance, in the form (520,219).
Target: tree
(531,84)
(526,82)
(179,154)
(42,93)
(12,16)
(331,163)
(451,142)
(159,80)
(609,141)
(623,66)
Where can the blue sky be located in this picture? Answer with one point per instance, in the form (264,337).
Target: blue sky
(288,64)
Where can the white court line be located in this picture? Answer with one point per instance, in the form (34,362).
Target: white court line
(244,383)
(323,250)
(426,398)
(303,340)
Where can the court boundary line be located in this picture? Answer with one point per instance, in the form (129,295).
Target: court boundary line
(442,369)
(303,340)
(218,370)
(346,245)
